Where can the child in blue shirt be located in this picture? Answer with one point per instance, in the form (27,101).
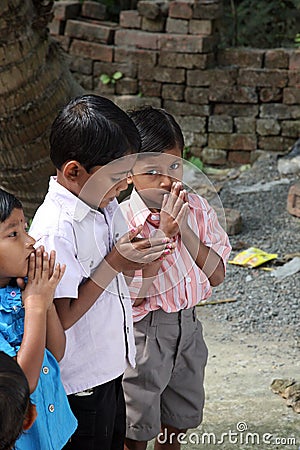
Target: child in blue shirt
(29,323)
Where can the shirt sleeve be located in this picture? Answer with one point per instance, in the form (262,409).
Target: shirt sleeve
(210,231)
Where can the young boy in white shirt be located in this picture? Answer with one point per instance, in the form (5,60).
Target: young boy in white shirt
(92,145)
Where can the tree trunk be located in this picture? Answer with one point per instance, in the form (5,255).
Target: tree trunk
(34,84)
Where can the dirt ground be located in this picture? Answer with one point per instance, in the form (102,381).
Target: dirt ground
(241,411)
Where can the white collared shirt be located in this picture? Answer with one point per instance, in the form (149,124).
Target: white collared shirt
(101,342)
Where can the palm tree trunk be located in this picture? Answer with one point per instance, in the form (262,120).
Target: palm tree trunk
(34,83)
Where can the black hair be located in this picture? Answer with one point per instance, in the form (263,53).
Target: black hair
(93,131)
(14,401)
(158,129)
(8,202)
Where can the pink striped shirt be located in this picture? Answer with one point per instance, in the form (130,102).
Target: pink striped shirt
(180,283)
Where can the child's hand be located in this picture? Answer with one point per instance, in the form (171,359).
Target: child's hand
(132,253)
(43,277)
(174,211)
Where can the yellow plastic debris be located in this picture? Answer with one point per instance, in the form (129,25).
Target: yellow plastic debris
(252,257)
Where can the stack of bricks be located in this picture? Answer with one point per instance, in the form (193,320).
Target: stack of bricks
(231,104)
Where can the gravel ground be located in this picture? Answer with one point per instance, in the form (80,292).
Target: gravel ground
(263,304)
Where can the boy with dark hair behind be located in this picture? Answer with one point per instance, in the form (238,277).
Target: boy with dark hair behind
(17,413)
(164,392)
(93,143)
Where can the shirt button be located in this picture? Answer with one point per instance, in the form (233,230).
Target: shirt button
(91,263)
(122,295)
(51,408)
(117,235)
(45,370)
(188,279)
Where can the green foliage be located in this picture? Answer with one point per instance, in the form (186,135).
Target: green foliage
(107,79)
(263,24)
(297,40)
(187,155)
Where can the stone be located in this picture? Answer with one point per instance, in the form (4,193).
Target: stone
(293,200)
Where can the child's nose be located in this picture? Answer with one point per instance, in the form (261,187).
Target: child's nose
(30,241)
(165,181)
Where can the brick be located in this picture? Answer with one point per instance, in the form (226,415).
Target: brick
(232,141)
(139,39)
(166,75)
(126,86)
(177,26)
(275,110)
(64,42)
(263,77)
(293,200)
(290,128)
(239,157)
(183,109)
(202,27)
(188,61)
(241,57)
(92,50)
(275,143)
(130,19)
(127,102)
(234,223)
(213,156)
(57,26)
(186,43)
(149,9)
(294,78)
(91,32)
(235,94)
(66,10)
(212,77)
(192,123)
(173,92)
(146,72)
(180,10)
(295,60)
(220,124)
(277,59)
(268,127)
(135,56)
(208,11)
(245,125)
(196,95)
(291,96)
(86,81)
(236,110)
(81,65)
(128,70)
(154,26)
(150,88)
(270,95)
(93,10)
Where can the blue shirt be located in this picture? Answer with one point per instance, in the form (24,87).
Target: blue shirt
(55,422)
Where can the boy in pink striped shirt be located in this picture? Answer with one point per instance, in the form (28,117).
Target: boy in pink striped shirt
(164,394)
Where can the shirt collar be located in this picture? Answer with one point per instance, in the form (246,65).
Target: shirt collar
(139,209)
(75,207)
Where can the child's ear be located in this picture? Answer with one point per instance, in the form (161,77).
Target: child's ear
(72,170)
(30,417)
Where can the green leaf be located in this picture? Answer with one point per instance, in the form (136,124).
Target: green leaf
(105,79)
(196,161)
(117,75)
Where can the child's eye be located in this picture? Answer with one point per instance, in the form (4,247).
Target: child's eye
(13,234)
(174,166)
(152,172)
(115,180)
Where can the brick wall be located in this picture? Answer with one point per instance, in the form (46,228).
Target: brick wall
(232,104)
